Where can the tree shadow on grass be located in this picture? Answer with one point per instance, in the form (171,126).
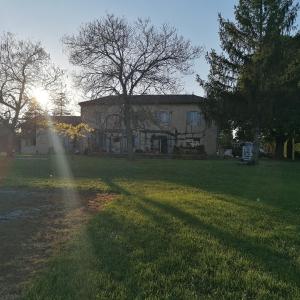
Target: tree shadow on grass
(149,248)
(279,264)
(272,183)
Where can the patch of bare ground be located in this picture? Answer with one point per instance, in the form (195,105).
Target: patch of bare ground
(33,226)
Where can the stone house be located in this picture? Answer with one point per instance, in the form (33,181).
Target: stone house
(37,139)
(160,123)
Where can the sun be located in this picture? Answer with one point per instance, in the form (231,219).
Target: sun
(42,96)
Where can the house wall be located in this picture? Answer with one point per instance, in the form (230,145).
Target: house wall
(44,144)
(104,119)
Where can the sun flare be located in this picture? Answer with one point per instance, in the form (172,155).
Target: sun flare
(42,96)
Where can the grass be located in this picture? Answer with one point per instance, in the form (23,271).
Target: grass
(177,230)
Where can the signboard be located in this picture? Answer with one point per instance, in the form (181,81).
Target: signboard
(247,153)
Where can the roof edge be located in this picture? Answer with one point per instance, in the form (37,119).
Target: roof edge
(113,97)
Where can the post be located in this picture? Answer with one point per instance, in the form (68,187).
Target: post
(128,129)
(293,148)
(256,145)
(11,143)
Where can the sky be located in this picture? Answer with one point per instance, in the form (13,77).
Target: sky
(49,20)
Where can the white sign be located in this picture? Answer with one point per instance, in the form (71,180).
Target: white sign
(247,151)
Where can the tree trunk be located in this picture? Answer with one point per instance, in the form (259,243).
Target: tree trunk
(289,150)
(11,143)
(128,129)
(279,140)
(256,146)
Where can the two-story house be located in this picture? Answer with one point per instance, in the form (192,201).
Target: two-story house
(160,123)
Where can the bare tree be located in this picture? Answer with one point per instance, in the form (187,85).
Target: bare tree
(24,65)
(118,58)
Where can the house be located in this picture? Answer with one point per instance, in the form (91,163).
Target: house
(36,138)
(160,123)
(4,138)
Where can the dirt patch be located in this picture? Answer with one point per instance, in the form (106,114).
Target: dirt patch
(33,225)
(95,203)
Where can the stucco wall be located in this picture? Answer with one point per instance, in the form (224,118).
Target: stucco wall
(44,143)
(102,117)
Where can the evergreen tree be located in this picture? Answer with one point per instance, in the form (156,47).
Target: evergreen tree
(286,109)
(32,119)
(60,102)
(241,79)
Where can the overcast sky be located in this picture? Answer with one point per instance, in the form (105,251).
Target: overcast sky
(49,20)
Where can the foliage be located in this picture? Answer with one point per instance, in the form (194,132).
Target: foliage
(72,131)
(244,77)
(61,102)
(225,139)
(286,111)
(32,119)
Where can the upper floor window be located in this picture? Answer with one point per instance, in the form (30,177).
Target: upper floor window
(193,118)
(164,117)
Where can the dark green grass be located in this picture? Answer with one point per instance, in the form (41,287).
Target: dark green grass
(177,230)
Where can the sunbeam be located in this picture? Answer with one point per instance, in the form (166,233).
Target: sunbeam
(42,96)
(70,193)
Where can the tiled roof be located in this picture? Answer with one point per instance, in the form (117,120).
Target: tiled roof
(74,120)
(147,99)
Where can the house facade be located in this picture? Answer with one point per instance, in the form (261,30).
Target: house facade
(161,124)
(37,139)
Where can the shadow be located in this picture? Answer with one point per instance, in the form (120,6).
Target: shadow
(271,260)
(152,253)
(274,183)
(247,246)
(262,255)
(139,250)
(141,247)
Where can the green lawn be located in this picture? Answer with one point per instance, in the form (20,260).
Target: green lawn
(177,230)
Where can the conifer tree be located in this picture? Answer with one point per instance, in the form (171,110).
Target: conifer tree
(286,109)
(241,78)
(32,119)
(60,102)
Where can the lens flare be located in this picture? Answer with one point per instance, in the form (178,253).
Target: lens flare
(42,96)
(70,193)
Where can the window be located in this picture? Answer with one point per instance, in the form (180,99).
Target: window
(193,118)
(163,117)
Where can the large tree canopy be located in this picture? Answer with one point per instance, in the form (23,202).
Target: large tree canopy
(24,65)
(285,124)
(120,58)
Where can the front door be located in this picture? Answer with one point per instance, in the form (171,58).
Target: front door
(159,144)
(163,144)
